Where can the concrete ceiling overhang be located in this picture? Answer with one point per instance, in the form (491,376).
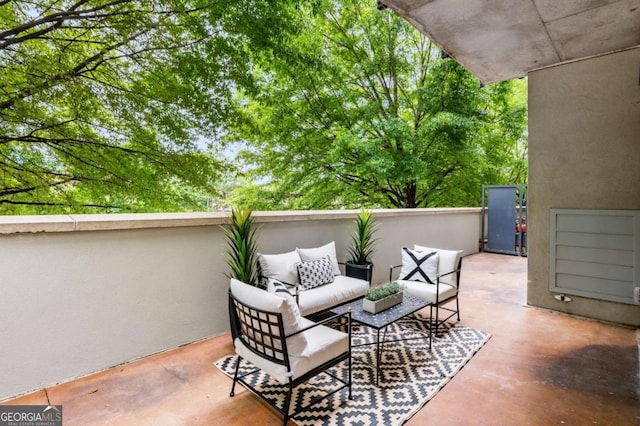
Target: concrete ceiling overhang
(502,39)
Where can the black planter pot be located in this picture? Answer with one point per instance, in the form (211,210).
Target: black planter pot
(363,272)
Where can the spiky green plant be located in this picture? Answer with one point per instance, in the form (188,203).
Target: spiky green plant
(362,241)
(242,249)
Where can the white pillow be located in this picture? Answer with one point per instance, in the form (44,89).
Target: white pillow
(448,262)
(309,254)
(266,301)
(315,273)
(419,266)
(281,267)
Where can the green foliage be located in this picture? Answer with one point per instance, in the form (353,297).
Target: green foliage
(360,109)
(242,248)
(362,241)
(116,105)
(380,292)
(119,105)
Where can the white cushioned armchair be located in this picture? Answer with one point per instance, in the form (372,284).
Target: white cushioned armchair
(269,332)
(434,275)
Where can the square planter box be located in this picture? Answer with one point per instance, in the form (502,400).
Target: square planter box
(382,304)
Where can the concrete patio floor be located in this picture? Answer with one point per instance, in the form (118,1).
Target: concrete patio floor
(539,367)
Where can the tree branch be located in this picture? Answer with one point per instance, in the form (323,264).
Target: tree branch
(42,203)
(10,37)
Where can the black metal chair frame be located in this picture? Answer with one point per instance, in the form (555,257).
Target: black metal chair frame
(439,303)
(263,333)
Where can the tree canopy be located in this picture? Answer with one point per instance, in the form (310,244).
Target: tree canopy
(113,105)
(361,109)
(123,105)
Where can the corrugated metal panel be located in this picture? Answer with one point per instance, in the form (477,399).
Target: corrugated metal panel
(595,253)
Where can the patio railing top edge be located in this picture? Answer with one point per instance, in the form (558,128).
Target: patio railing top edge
(110,222)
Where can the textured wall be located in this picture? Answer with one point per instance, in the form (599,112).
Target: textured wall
(584,153)
(83,293)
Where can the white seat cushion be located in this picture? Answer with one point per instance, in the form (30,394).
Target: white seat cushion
(448,261)
(342,289)
(324,344)
(278,371)
(427,291)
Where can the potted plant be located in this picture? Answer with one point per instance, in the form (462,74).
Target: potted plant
(362,247)
(383,297)
(242,250)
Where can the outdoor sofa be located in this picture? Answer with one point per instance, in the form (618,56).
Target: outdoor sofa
(313,276)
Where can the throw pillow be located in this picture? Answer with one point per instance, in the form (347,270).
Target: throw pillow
(278,288)
(448,261)
(309,254)
(419,266)
(281,267)
(315,273)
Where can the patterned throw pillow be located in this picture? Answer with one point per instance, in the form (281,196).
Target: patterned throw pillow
(315,273)
(419,266)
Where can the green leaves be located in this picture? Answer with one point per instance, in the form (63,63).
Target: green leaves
(362,241)
(123,105)
(118,105)
(361,110)
(242,250)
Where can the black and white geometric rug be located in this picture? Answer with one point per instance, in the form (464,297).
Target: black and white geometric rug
(411,375)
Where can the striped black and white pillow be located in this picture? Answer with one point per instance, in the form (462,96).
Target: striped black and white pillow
(419,266)
(278,288)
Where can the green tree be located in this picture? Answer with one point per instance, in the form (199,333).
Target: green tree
(361,110)
(111,105)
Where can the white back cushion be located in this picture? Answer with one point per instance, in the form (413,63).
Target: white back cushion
(449,260)
(316,253)
(266,301)
(255,297)
(281,267)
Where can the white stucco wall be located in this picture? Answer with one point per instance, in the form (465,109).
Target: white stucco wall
(83,293)
(584,153)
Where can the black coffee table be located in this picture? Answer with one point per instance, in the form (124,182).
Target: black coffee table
(383,319)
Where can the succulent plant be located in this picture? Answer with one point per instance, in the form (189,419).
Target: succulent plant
(380,292)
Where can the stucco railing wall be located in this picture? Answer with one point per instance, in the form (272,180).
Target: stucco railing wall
(83,293)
